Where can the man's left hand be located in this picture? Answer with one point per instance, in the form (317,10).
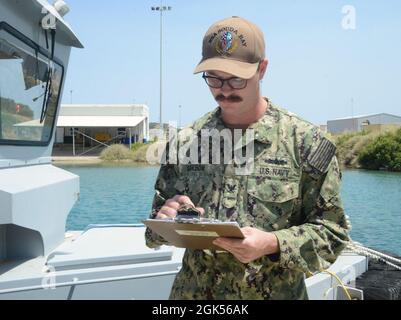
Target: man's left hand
(256,244)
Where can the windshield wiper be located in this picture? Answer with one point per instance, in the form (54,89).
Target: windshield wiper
(48,90)
(47,94)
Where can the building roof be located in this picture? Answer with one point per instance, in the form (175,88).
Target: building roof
(102,115)
(99,121)
(104,110)
(366,116)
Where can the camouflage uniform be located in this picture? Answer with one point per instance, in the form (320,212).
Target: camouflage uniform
(293,192)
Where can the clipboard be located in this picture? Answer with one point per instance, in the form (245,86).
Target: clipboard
(197,234)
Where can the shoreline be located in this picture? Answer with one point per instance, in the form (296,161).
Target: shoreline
(76,160)
(95,160)
(84,161)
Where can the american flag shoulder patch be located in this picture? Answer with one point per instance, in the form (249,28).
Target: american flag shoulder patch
(321,157)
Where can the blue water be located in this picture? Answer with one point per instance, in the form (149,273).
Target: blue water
(124,194)
(372,199)
(120,194)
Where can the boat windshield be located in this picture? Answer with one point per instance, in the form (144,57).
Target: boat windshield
(29,92)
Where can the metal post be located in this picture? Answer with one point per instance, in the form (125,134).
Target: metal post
(130,135)
(73,141)
(352,112)
(161,9)
(147,129)
(179,117)
(161,64)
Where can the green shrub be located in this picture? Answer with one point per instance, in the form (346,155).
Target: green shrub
(116,152)
(140,153)
(383,153)
(136,146)
(119,152)
(349,145)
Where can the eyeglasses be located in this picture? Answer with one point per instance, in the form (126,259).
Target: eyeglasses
(233,83)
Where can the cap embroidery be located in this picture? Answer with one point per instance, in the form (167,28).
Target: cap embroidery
(227,44)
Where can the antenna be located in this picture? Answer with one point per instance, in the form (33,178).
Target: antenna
(179,117)
(61,7)
(352,114)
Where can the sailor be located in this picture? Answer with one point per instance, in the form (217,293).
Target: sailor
(288,205)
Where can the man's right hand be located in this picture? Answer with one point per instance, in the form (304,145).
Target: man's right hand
(169,210)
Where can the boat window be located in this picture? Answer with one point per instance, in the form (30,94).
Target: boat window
(29,92)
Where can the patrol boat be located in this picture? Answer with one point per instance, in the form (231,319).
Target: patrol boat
(38,259)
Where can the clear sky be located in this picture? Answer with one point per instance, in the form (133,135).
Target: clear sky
(317,67)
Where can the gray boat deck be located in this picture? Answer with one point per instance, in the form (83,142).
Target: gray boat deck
(113,262)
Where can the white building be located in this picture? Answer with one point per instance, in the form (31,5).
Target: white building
(356,123)
(94,125)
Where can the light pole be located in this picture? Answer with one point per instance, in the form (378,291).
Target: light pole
(352,112)
(70,96)
(161,9)
(179,117)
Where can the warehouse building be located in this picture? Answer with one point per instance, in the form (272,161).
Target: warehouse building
(95,126)
(358,123)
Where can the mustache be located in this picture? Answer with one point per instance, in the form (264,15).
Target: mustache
(230,98)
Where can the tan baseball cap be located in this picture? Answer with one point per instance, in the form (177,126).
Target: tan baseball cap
(233,45)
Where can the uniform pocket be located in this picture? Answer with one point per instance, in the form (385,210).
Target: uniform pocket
(271,202)
(195,186)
